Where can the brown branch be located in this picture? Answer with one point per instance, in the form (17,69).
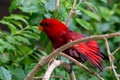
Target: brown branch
(56,8)
(40,64)
(70,13)
(109,68)
(111,59)
(81,65)
(58,76)
(57,4)
(56,52)
(116,50)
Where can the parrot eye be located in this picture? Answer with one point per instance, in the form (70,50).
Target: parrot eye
(46,24)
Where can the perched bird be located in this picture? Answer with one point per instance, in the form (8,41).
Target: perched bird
(59,34)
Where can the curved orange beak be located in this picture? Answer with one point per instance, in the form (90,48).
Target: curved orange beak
(40,28)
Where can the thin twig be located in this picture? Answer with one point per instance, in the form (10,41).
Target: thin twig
(70,13)
(56,8)
(56,52)
(109,68)
(57,4)
(116,50)
(58,76)
(111,59)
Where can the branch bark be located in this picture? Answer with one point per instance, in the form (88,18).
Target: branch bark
(111,59)
(51,68)
(58,76)
(70,13)
(56,8)
(116,50)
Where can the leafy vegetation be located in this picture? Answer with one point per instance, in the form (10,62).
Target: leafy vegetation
(23,46)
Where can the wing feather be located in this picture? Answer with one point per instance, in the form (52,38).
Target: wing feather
(85,51)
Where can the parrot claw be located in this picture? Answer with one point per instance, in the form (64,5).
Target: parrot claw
(71,67)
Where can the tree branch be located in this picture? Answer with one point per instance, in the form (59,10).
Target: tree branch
(111,59)
(116,50)
(70,13)
(58,76)
(56,8)
(40,64)
(56,52)
(51,68)
(54,65)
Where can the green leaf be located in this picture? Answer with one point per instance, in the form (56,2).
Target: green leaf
(5,74)
(104,27)
(8,46)
(21,39)
(50,5)
(105,1)
(1,41)
(94,7)
(17,23)
(90,14)
(84,24)
(15,4)
(4,57)
(11,26)
(35,19)
(29,67)
(11,40)
(18,17)
(93,78)
(43,53)
(30,6)
(1,49)
(18,73)
(33,36)
(49,47)
(106,13)
(117,39)
(72,25)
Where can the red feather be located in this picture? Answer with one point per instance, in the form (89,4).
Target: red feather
(59,34)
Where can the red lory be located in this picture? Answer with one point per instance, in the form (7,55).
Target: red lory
(59,34)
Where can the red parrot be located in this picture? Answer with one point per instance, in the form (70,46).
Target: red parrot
(59,34)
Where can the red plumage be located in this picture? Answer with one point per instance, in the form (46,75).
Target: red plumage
(59,34)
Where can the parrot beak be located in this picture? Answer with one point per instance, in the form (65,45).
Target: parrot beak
(40,28)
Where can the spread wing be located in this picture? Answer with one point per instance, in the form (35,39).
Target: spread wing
(85,51)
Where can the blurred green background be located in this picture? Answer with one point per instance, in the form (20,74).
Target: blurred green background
(22,45)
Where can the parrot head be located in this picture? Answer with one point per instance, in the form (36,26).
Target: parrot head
(52,27)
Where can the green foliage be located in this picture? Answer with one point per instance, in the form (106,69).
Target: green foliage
(5,74)
(16,45)
(22,46)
